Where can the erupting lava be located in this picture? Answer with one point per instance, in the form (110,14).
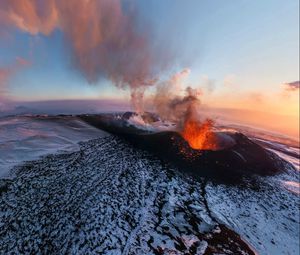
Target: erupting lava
(184,111)
(200,135)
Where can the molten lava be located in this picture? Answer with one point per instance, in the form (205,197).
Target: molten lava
(199,135)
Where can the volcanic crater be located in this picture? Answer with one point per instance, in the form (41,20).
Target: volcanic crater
(234,157)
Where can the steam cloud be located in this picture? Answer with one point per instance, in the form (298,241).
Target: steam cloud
(104,39)
(184,112)
(174,103)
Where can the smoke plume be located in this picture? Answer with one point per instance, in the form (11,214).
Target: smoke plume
(172,102)
(181,106)
(105,40)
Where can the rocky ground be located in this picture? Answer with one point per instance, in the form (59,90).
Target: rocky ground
(109,198)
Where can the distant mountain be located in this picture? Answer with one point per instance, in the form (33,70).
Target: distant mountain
(64,107)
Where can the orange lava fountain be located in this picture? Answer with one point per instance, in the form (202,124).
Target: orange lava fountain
(200,135)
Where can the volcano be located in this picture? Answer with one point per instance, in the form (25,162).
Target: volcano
(237,156)
(120,193)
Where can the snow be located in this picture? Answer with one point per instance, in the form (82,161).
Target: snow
(78,190)
(267,216)
(107,198)
(24,138)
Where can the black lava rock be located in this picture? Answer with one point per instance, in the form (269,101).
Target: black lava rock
(243,158)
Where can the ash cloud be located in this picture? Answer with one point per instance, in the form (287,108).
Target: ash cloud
(182,107)
(174,103)
(105,40)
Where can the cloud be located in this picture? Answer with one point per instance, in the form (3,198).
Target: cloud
(7,72)
(105,38)
(292,86)
(32,16)
(21,62)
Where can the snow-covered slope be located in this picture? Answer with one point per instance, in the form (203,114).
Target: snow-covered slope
(25,138)
(106,197)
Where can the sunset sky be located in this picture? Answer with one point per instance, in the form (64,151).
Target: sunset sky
(243,54)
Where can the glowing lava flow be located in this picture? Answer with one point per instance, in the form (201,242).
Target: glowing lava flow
(200,135)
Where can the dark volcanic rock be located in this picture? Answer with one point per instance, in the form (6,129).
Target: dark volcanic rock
(244,158)
(109,198)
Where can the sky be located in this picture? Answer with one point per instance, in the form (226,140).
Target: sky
(243,54)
